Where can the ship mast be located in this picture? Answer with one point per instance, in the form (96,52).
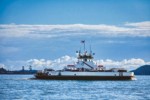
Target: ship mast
(85,56)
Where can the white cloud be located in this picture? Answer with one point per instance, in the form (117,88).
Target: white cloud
(59,63)
(129,64)
(14,65)
(50,31)
(2,66)
(144,25)
(55,64)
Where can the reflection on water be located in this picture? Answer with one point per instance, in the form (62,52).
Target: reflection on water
(22,87)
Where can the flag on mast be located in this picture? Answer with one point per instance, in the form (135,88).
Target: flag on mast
(83,41)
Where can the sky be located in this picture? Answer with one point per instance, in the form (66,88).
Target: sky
(47,33)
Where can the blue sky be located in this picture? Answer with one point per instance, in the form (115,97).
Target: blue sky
(73,11)
(51,29)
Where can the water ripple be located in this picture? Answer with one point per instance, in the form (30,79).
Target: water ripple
(22,87)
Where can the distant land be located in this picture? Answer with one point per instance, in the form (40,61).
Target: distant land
(143,70)
(22,71)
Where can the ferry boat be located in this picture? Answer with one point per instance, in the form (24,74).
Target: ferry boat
(85,69)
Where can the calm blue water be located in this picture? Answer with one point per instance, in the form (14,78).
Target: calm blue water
(21,87)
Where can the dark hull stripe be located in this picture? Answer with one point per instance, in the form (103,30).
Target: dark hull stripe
(85,77)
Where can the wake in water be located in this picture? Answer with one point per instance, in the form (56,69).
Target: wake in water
(134,79)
